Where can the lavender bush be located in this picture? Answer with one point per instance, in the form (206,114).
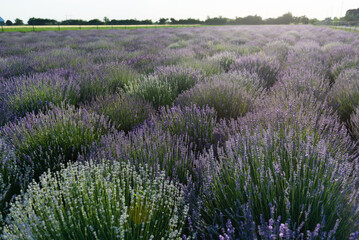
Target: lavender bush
(11,179)
(227,98)
(126,112)
(354,123)
(206,67)
(278,49)
(108,201)
(250,82)
(180,78)
(305,114)
(198,123)
(346,63)
(150,145)
(344,95)
(14,66)
(301,80)
(281,177)
(336,51)
(101,80)
(23,95)
(56,58)
(309,54)
(143,63)
(266,67)
(44,141)
(151,88)
(224,59)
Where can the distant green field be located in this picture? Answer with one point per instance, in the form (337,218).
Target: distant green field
(82,27)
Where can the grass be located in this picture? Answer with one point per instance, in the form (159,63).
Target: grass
(346,28)
(27,28)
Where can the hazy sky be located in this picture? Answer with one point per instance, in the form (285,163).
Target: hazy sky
(154,9)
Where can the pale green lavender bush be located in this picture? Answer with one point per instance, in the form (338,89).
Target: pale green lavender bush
(99,201)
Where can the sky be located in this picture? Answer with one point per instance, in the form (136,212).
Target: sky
(178,9)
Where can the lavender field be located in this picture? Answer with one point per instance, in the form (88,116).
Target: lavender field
(226,133)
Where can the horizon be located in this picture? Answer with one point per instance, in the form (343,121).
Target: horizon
(156,9)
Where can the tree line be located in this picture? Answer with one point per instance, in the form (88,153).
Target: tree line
(287,18)
(351,18)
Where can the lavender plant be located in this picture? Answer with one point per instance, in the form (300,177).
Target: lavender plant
(280,177)
(336,51)
(151,145)
(305,115)
(143,63)
(346,63)
(309,54)
(43,61)
(11,179)
(266,67)
(44,141)
(228,99)
(154,90)
(224,59)
(15,66)
(99,201)
(102,80)
(23,95)
(278,49)
(250,82)
(206,67)
(179,78)
(354,123)
(300,80)
(198,123)
(126,112)
(344,95)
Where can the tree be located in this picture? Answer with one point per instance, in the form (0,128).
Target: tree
(106,20)
(74,22)
(252,20)
(285,19)
(313,21)
(301,20)
(352,15)
(173,21)
(41,21)
(18,22)
(327,21)
(95,22)
(163,21)
(8,23)
(216,21)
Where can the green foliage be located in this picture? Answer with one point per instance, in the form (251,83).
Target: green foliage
(344,95)
(227,98)
(179,78)
(106,79)
(34,93)
(11,179)
(44,141)
(281,176)
(99,201)
(18,22)
(125,111)
(151,88)
(198,123)
(206,67)
(224,59)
